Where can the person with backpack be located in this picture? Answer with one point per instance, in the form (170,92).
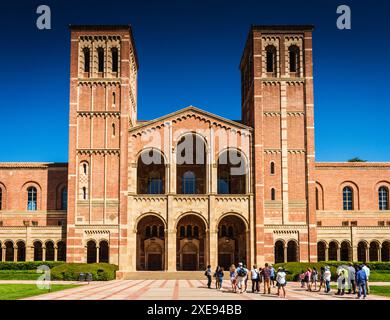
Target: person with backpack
(216,276)
(266,273)
(255,279)
(246,278)
(322,278)
(281,281)
(308,279)
(207,273)
(241,274)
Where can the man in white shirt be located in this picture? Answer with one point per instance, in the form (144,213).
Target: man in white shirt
(327,277)
(367,271)
(255,279)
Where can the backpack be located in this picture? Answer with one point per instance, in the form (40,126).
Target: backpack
(241,272)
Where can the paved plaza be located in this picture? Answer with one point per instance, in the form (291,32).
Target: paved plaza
(180,290)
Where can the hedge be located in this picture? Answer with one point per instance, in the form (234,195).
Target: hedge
(293,269)
(28,265)
(71,271)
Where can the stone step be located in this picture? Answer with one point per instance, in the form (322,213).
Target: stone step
(158,275)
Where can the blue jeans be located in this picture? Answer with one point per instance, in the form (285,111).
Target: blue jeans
(220,282)
(362,287)
(327,286)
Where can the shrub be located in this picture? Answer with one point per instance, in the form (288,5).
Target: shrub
(71,271)
(28,265)
(293,269)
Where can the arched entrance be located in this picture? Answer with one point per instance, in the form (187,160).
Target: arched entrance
(321,248)
(21,251)
(332,253)
(232,242)
(38,252)
(61,251)
(279,251)
(151,243)
(385,251)
(292,251)
(374,251)
(190,243)
(9,251)
(103,251)
(49,251)
(362,249)
(91,251)
(345,251)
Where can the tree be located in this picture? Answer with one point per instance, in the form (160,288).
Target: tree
(356,159)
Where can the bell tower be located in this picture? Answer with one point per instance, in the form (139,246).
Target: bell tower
(103,106)
(277,101)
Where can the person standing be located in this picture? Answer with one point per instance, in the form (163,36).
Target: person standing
(272,276)
(351,279)
(220,277)
(255,279)
(367,271)
(308,279)
(233,277)
(241,274)
(216,276)
(361,279)
(322,278)
(246,278)
(266,273)
(327,277)
(314,279)
(281,281)
(207,273)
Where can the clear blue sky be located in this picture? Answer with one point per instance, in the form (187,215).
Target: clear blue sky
(189,53)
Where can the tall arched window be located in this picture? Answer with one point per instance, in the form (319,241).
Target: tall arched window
(294,58)
(347,198)
(114,53)
(271,58)
(113,129)
(1,198)
(32,199)
(84,193)
(273,194)
(151,172)
(100,52)
(189,183)
(383,194)
(86,59)
(272,167)
(113,98)
(64,198)
(317,200)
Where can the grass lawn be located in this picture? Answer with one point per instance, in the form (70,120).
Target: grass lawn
(19,275)
(380,290)
(19,291)
(380,275)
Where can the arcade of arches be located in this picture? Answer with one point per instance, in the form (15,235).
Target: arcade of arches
(191,242)
(364,251)
(39,251)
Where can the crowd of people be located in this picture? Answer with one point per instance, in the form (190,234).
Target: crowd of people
(351,279)
(239,276)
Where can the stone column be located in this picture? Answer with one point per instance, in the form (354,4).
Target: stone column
(43,253)
(338,253)
(15,254)
(354,253)
(367,254)
(326,253)
(55,253)
(3,254)
(285,253)
(97,254)
(379,253)
(213,236)
(171,249)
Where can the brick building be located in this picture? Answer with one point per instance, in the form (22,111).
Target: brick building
(192,188)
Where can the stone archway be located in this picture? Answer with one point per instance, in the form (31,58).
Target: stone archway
(190,243)
(150,243)
(385,251)
(232,241)
(374,251)
(332,253)
(279,251)
(362,250)
(345,251)
(292,251)
(321,251)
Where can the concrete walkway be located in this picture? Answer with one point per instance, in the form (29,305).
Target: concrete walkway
(180,290)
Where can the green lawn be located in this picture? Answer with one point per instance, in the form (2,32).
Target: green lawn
(380,290)
(19,275)
(19,291)
(380,276)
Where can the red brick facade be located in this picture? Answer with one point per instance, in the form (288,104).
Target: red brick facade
(289,208)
